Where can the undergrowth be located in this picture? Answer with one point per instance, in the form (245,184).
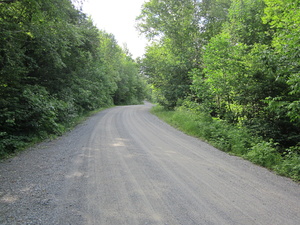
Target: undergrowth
(234,139)
(12,145)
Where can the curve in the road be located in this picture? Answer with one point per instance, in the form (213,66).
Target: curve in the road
(125,166)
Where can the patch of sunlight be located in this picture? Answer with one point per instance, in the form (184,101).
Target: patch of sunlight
(8,198)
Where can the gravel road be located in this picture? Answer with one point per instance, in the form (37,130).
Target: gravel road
(125,166)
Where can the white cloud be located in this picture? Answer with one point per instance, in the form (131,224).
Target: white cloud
(118,17)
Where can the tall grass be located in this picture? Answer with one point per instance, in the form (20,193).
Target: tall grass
(234,139)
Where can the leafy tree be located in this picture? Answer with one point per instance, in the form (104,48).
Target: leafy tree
(33,46)
(131,88)
(55,65)
(284,17)
(238,61)
(213,14)
(167,74)
(224,73)
(175,24)
(245,22)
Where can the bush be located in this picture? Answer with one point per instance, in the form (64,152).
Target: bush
(290,165)
(264,154)
(234,139)
(241,140)
(10,143)
(29,117)
(40,112)
(215,131)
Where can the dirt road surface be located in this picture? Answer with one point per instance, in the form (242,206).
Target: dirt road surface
(125,166)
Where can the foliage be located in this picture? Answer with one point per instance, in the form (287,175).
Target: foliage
(236,61)
(174,25)
(231,138)
(131,86)
(290,166)
(245,22)
(219,133)
(212,14)
(284,16)
(224,72)
(158,64)
(55,65)
(264,154)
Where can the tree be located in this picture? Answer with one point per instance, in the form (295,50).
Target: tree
(32,50)
(246,25)
(55,65)
(284,17)
(212,14)
(175,24)
(166,73)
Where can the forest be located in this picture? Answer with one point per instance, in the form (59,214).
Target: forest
(56,66)
(228,71)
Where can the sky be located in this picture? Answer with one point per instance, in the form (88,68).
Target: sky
(118,17)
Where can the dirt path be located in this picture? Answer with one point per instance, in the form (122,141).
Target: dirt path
(125,166)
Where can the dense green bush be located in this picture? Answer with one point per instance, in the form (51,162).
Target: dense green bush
(290,166)
(264,154)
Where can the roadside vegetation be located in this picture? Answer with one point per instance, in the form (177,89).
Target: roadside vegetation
(228,71)
(55,67)
(233,139)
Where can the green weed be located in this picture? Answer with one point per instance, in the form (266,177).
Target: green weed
(290,165)
(264,154)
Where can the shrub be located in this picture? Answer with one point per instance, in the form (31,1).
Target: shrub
(290,165)
(234,139)
(264,154)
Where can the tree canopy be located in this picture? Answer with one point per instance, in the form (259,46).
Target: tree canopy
(238,60)
(54,66)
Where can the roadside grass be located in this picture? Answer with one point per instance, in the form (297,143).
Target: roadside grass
(21,143)
(235,140)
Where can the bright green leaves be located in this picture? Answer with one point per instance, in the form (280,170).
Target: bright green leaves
(212,14)
(245,22)
(237,60)
(167,72)
(174,25)
(225,73)
(282,13)
(131,86)
(156,65)
(166,18)
(284,17)
(176,21)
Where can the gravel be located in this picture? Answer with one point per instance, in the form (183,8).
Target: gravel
(125,166)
